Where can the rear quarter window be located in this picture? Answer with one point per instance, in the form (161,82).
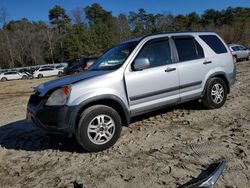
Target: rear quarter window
(214,43)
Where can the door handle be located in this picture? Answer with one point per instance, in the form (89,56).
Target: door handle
(207,62)
(169,69)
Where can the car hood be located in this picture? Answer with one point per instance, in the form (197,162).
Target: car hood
(45,87)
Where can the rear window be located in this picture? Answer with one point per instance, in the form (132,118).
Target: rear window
(214,43)
(188,48)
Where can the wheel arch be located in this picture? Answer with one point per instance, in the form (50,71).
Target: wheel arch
(4,78)
(108,100)
(221,75)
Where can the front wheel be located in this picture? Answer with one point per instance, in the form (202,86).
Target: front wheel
(215,94)
(99,128)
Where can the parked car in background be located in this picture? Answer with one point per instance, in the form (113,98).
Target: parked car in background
(27,71)
(64,64)
(133,78)
(46,72)
(79,65)
(239,52)
(60,67)
(13,75)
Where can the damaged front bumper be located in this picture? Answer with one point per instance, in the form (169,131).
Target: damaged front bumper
(50,119)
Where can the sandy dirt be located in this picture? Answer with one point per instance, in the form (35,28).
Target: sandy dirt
(166,148)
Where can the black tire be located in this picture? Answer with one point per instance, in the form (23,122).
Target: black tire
(209,99)
(89,116)
(24,77)
(3,79)
(40,76)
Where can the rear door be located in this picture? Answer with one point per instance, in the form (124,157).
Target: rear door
(51,72)
(16,75)
(157,85)
(192,66)
(47,72)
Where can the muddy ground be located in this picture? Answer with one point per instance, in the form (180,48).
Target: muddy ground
(162,149)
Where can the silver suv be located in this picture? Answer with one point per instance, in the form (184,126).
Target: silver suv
(132,78)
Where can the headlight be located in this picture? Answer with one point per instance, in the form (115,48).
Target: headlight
(59,97)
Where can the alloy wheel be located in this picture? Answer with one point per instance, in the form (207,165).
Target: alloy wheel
(101,129)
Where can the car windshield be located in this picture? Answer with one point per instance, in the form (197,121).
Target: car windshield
(114,58)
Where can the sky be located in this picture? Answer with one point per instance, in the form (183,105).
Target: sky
(36,10)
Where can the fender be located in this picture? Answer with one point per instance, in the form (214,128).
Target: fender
(80,107)
(214,75)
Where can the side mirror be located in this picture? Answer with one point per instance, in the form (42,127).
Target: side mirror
(140,64)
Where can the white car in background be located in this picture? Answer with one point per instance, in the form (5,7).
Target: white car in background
(46,72)
(13,75)
(239,52)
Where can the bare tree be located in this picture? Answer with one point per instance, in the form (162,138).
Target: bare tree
(3,21)
(49,36)
(78,16)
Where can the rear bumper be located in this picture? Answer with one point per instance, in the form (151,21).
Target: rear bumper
(232,77)
(52,120)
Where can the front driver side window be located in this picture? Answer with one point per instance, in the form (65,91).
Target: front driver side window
(157,51)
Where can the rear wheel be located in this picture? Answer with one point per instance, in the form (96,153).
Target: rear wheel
(99,128)
(215,94)
(40,76)
(3,79)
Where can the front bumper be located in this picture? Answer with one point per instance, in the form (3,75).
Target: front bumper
(51,119)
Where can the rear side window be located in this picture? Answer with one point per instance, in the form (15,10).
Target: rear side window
(214,43)
(188,48)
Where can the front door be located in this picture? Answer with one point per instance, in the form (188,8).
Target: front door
(157,85)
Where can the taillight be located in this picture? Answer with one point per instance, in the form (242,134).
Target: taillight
(234,59)
(86,67)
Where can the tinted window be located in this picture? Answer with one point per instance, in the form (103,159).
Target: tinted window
(188,48)
(158,52)
(214,43)
(242,48)
(45,69)
(9,73)
(234,48)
